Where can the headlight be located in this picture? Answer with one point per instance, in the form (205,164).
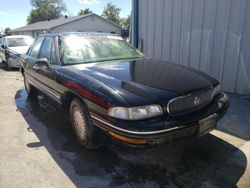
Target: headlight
(135,113)
(217,90)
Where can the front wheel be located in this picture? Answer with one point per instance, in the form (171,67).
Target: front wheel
(82,126)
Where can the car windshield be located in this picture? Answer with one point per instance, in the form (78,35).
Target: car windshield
(15,42)
(85,49)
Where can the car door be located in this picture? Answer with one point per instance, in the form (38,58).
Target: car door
(2,49)
(30,61)
(1,39)
(47,74)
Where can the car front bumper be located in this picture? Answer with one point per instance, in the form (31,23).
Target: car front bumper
(153,132)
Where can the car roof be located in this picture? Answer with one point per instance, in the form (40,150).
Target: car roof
(79,33)
(17,36)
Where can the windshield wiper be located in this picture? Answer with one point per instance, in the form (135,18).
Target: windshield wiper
(102,60)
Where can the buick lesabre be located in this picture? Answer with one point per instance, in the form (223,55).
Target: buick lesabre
(108,86)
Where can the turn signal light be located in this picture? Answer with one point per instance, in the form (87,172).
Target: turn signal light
(128,140)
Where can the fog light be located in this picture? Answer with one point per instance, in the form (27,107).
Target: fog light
(220,104)
(223,100)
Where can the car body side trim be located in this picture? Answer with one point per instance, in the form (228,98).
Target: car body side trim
(44,88)
(133,132)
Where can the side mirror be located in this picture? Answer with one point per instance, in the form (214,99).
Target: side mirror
(43,63)
(2,46)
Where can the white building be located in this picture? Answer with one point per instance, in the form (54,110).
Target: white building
(86,23)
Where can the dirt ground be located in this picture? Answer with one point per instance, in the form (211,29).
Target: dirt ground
(38,149)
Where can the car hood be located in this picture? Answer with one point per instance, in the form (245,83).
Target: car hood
(149,79)
(19,49)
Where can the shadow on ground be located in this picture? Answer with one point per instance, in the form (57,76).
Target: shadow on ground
(238,117)
(187,163)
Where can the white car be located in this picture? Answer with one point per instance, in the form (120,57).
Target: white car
(12,47)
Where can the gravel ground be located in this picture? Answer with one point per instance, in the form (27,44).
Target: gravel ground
(38,149)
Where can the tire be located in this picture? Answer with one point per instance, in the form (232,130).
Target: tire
(82,126)
(8,64)
(28,87)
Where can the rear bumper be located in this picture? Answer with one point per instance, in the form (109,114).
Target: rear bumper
(177,128)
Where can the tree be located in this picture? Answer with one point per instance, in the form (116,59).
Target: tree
(45,10)
(112,13)
(84,12)
(6,30)
(125,22)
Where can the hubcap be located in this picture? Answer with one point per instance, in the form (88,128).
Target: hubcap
(79,123)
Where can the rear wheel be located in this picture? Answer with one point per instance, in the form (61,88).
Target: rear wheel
(82,126)
(28,87)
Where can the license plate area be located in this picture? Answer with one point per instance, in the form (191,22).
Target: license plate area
(206,125)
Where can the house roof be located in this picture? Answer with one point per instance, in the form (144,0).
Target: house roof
(47,25)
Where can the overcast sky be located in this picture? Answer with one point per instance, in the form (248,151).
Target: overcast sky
(13,13)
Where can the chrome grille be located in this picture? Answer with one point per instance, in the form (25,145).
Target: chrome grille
(189,103)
